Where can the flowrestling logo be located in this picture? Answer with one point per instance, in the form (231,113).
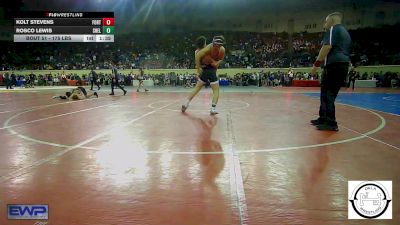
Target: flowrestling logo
(370,200)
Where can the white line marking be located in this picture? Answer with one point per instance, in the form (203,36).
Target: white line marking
(6,126)
(377,140)
(385,112)
(337,102)
(246,105)
(380,127)
(26,169)
(49,105)
(236,172)
(364,135)
(36,89)
(391,98)
(38,141)
(11,111)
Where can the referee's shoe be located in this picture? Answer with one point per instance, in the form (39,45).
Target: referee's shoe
(323,125)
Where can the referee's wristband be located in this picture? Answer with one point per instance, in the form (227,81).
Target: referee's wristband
(317,63)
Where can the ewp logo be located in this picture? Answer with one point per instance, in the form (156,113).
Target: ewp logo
(28,212)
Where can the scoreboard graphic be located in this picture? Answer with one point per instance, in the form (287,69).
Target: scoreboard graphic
(64,27)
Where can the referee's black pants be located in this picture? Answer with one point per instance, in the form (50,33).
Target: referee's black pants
(115,84)
(94,82)
(8,83)
(333,77)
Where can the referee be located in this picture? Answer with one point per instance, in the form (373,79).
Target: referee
(115,78)
(334,57)
(94,80)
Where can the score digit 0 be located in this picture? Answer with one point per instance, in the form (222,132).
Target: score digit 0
(108,21)
(108,30)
